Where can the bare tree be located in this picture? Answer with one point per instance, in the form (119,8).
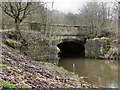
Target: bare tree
(71,18)
(19,11)
(96,14)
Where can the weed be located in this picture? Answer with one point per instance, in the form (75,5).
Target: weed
(6,66)
(35,77)
(81,79)
(71,72)
(8,84)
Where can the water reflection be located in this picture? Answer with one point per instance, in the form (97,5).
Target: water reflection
(97,72)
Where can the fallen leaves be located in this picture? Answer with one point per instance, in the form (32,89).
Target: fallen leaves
(23,72)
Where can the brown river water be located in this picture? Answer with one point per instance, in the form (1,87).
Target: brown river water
(96,72)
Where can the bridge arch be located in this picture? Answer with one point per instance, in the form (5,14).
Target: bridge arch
(71,48)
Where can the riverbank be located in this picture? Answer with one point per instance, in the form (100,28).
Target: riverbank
(21,71)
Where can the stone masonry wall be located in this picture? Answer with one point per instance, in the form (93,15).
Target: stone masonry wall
(97,47)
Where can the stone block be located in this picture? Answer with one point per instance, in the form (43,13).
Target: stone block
(96,47)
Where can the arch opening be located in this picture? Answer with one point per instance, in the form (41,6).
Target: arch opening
(71,49)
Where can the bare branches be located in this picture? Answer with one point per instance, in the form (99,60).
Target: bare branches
(20,10)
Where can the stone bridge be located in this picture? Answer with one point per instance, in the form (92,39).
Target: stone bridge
(69,39)
(59,31)
(78,41)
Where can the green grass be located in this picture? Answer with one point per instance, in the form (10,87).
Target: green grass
(6,66)
(7,84)
(71,72)
(51,64)
(35,77)
(81,79)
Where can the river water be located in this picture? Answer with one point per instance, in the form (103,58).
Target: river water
(96,72)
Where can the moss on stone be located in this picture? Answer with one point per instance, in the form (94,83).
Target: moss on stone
(97,47)
(104,38)
(95,38)
(11,31)
(33,22)
(108,47)
(13,43)
(58,50)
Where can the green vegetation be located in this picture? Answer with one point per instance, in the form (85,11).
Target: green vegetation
(116,52)
(24,86)
(81,79)
(6,66)
(19,52)
(11,31)
(104,38)
(63,71)
(58,50)
(50,63)
(72,73)
(13,43)
(7,84)
(35,77)
(108,47)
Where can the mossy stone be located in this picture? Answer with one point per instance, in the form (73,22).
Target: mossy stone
(58,50)
(11,33)
(11,30)
(13,43)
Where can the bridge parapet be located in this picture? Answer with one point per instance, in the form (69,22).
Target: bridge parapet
(58,30)
(64,30)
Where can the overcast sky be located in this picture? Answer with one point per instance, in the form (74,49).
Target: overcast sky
(70,5)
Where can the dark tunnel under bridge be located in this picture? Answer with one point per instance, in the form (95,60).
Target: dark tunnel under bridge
(71,49)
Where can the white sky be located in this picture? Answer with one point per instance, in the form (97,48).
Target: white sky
(70,5)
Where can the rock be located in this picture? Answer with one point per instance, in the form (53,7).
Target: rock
(96,47)
(13,43)
(11,33)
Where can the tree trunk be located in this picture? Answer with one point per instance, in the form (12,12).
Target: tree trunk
(17,29)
